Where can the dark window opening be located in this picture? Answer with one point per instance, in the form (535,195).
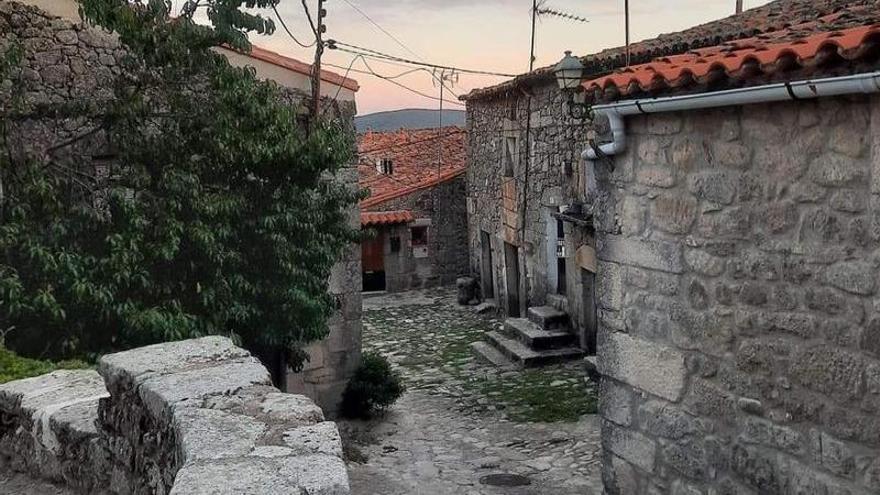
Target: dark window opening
(386,166)
(395,244)
(509,156)
(419,236)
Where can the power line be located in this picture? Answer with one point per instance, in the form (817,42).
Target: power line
(415,91)
(387,33)
(290,33)
(367,52)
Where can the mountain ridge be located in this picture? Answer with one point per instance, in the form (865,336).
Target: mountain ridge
(408,118)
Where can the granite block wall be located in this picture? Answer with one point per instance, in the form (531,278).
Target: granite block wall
(190,417)
(443,209)
(555,178)
(738,266)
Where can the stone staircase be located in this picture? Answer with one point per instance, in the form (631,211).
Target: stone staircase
(541,339)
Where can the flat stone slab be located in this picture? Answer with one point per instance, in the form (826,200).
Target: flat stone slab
(490,355)
(548,317)
(534,336)
(527,357)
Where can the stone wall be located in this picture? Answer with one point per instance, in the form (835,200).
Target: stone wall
(190,417)
(739,322)
(442,209)
(68,63)
(555,179)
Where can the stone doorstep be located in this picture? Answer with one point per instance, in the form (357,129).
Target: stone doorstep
(530,334)
(525,357)
(484,352)
(548,317)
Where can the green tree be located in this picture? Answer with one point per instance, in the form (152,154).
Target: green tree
(218,214)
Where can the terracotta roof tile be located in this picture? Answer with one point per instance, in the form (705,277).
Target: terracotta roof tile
(774,21)
(783,56)
(369,218)
(295,65)
(414,155)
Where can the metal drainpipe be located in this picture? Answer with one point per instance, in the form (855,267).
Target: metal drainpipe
(801,90)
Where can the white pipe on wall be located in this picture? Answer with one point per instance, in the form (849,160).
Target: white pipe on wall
(800,90)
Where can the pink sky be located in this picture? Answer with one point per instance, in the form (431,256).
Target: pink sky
(487,35)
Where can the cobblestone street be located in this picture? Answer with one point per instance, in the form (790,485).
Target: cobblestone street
(461,420)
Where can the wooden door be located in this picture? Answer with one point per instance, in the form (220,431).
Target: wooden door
(373,262)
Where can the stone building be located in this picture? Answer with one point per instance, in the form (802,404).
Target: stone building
(416,208)
(736,215)
(66,61)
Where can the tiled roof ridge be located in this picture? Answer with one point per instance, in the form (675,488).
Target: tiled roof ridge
(386,217)
(775,16)
(412,188)
(740,62)
(289,63)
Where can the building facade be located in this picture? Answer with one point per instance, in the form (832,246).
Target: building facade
(416,209)
(735,248)
(66,61)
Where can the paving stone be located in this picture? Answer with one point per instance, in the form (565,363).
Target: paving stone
(460,419)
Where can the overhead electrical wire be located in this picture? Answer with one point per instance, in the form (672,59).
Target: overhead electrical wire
(367,52)
(387,33)
(290,33)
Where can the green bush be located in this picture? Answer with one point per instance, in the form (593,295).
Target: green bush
(14,367)
(374,388)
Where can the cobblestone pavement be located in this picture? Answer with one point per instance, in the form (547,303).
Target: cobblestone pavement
(21,484)
(460,420)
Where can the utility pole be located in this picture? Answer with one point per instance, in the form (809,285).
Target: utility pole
(739,6)
(626,16)
(320,29)
(534,21)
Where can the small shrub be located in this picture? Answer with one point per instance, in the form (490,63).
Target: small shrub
(374,388)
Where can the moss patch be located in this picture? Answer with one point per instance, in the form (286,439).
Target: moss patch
(430,345)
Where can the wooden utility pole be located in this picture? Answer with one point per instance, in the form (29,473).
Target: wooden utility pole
(626,16)
(739,6)
(320,29)
(534,21)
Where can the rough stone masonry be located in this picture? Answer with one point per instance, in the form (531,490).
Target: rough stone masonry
(191,417)
(740,318)
(69,63)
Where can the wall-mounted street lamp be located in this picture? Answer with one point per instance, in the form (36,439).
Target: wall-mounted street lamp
(569,74)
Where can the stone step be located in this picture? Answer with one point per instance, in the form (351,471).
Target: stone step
(548,317)
(558,301)
(517,352)
(484,352)
(536,337)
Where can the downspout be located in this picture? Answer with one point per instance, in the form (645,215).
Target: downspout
(800,90)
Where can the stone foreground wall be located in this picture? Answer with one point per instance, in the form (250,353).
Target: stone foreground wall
(191,417)
(740,316)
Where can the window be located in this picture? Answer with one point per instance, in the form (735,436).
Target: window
(509,156)
(385,166)
(395,244)
(419,236)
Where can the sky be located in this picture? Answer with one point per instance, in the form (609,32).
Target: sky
(489,35)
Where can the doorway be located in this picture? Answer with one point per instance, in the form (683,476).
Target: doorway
(373,261)
(511,262)
(487,281)
(588,337)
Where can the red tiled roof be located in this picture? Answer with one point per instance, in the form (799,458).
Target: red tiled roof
(782,56)
(369,218)
(414,155)
(300,67)
(776,17)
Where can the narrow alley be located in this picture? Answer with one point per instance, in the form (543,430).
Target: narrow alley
(464,427)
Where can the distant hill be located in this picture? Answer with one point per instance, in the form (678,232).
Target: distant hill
(408,119)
